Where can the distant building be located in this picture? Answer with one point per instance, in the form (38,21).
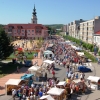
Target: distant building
(64,28)
(88,29)
(27,31)
(73,28)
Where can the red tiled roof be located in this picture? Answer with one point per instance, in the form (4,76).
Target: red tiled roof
(98,32)
(26,26)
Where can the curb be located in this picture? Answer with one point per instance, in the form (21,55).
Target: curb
(2,94)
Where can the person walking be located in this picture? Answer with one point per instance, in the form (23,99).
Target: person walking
(53,73)
(45,76)
(17,69)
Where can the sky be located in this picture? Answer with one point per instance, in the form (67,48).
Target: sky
(48,11)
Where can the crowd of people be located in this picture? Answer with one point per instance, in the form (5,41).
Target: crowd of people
(64,56)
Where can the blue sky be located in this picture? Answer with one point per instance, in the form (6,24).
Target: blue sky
(48,11)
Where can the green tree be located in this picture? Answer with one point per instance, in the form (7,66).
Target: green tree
(5,46)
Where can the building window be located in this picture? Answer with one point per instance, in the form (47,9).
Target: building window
(22,33)
(32,30)
(32,34)
(28,34)
(22,30)
(18,30)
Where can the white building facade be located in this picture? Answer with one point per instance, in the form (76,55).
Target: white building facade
(88,30)
(73,28)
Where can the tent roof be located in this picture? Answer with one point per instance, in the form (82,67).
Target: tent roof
(80,53)
(48,52)
(50,45)
(77,80)
(13,82)
(67,41)
(34,68)
(48,97)
(93,78)
(62,83)
(48,61)
(55,91)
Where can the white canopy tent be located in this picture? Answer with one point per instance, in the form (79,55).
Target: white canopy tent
(12,82)
(48,53)
(62,83)
(48,61)
(80,53)
(93,78)
(77,81)
(68,42)
(34,68)
(74,47)
(55,91)
(50,45)
(48,97)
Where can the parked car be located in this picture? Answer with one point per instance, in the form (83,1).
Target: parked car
(84,69)
(28,63)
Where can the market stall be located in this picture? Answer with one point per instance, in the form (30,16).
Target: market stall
(49,61)
(50,45)
(37,71)
(56,92)
(80,53)
(62,83)
(94,82)
(77,81)
(26,76)
(47,97)
(46,62)
(48,53)
(34,69)
(12,84)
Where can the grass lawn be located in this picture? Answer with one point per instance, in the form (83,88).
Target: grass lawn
(29,56)
(8,68)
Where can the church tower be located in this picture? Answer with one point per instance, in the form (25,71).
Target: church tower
(34,17)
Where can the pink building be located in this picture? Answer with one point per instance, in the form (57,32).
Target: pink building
(27,31)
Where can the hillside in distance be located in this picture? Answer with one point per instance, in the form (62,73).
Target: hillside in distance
(55,26)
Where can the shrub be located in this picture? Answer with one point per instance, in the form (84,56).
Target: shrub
(99,53)
(90,56)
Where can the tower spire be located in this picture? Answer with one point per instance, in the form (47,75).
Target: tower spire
(34,11)
(34,16)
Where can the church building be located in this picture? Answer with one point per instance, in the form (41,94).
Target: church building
(31,30)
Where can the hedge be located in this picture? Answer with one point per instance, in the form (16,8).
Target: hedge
(90,56)
(85,45)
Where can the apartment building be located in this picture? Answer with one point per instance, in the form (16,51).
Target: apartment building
(64,28)
(88,29)
(73,28)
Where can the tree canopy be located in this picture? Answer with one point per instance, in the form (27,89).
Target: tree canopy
(5,46)
(51,30)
